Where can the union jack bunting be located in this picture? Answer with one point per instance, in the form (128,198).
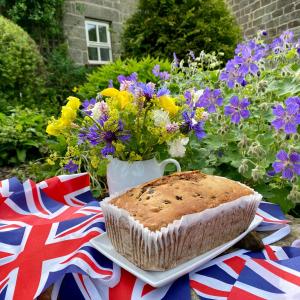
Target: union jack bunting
(45,230)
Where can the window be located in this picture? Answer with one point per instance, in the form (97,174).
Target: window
(98,42)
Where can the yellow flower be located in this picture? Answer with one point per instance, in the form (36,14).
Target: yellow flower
(50,162)
(73,102)
(110,92)
(67,113)
(199,113)
(52,129)
(168,104)
(75,89)
(124,98)
(95,161)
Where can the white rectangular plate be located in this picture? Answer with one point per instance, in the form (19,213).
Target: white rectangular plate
(157,279)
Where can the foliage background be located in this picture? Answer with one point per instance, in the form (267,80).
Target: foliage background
(161,27)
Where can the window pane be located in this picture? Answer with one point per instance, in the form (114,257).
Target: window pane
(93,53)
(92,32)
(104,53)
(102,34)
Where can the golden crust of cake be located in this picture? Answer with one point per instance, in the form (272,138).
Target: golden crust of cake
(159,202)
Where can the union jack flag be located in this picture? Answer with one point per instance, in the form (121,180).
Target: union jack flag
(41,238)
(45,230)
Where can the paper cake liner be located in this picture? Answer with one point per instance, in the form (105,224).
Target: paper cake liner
(182,240)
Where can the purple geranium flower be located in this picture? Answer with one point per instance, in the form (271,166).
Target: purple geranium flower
(71,167)
(237,109)
(191,124)
(88,106)
(287,118)
(210,99)
(233,75)
(287,164)
(156,70)
(162,75)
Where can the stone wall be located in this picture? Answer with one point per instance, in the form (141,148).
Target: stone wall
(115,12)
(274,16)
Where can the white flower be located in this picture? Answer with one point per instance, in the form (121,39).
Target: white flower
(177,147)
(99,109)
(205,116)
(196,95)
(161,118)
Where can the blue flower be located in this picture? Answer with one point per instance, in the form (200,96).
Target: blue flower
(132,77)
(287,164)
(163,91)
(71,167)
(162,75)
(233,75)
(210,99)
(237,109)
(98,134)
(175,62)
(147,89)
(88,106)
(190,124)
(287,118)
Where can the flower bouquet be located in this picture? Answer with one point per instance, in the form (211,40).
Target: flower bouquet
(132,123)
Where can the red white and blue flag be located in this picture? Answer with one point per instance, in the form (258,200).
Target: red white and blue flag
(45,233)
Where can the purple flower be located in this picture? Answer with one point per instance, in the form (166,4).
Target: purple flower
(191,124)
(148,89)
(175,60)
(237,109)
(287,164)
(132,77)
(156,70)
(283,43)
(88,106)
(162,75)
(172,127)
(232,75)
(110,83)
(209,99)
(163,91)
(71,167)
(192,54)
(98,134)
(287,118)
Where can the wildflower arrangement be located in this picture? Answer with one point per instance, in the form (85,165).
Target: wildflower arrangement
(132,123)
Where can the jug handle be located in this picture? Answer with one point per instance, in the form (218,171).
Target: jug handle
(165,162)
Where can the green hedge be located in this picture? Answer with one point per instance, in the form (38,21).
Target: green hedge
(161,27)
(21,68)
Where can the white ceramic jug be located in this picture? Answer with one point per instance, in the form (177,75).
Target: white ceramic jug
(122,175)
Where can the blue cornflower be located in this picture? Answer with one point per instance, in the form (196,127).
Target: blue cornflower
(71,167)
(237,109)
(283,43)
(88,106)
(209,99)
(147,89)
(287,118)
(287,164)
(191,124)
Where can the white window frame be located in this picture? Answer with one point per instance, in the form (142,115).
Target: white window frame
(98,44)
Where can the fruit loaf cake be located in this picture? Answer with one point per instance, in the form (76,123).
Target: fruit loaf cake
(167,221)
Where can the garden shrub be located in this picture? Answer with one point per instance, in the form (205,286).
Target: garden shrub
(21,67)
(99,78)
(22,135)
(161,27)
(62,74)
